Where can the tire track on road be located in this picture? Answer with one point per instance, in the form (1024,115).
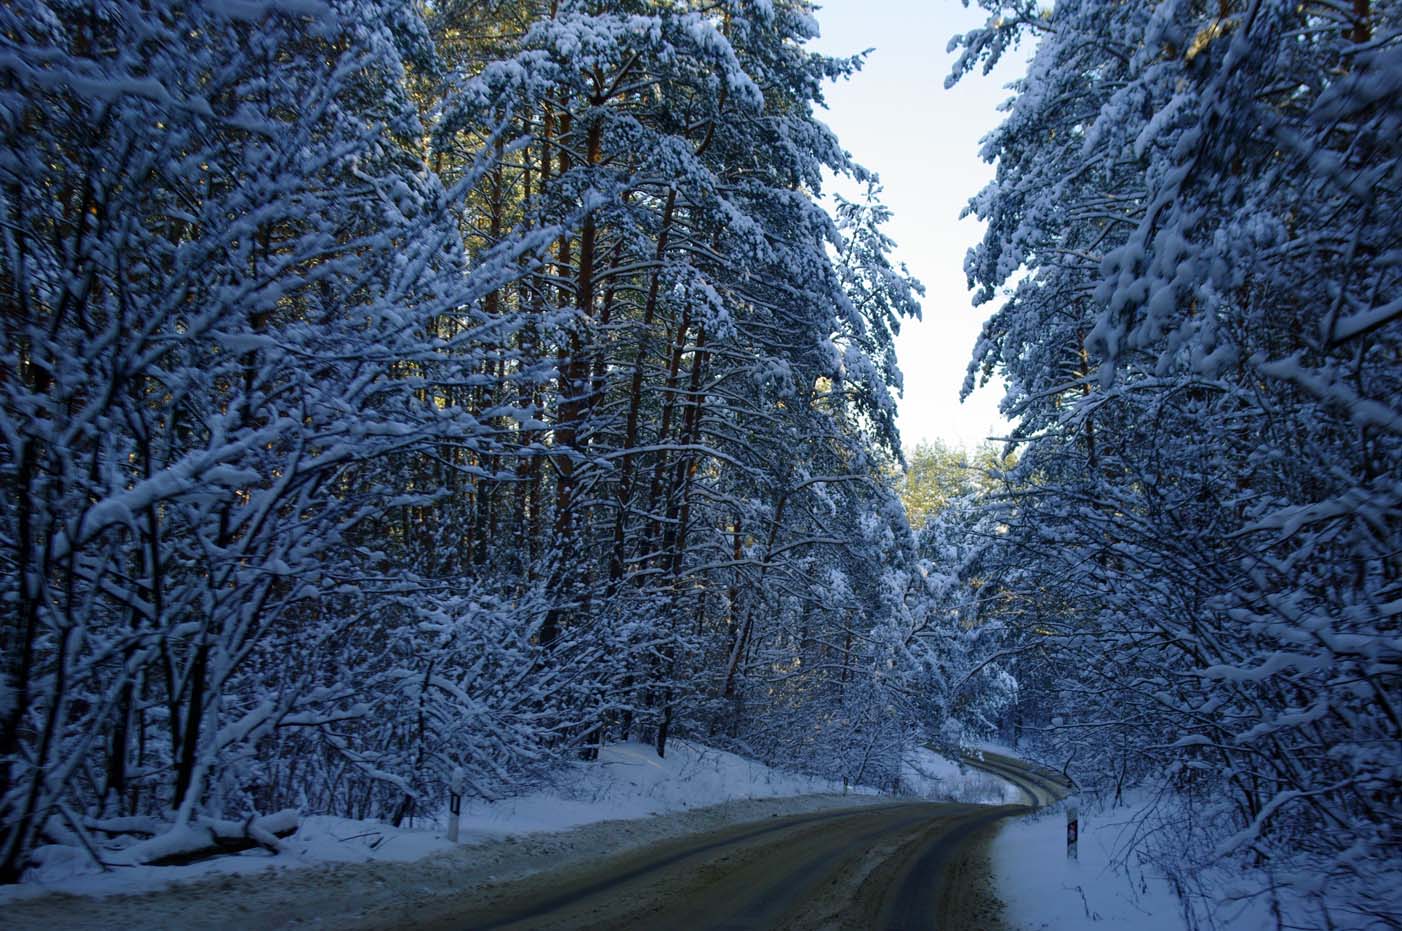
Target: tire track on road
(611,878)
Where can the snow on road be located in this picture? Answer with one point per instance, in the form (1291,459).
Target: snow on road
(347,895)
(339,866)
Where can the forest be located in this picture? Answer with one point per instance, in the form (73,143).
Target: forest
(404,400)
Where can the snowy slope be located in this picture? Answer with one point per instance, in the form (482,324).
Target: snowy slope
(628,781)
(631,781)
(340,866)
(1044,891)
(928,774)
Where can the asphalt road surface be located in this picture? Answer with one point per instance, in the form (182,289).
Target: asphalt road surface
(1041,786)
(893,866)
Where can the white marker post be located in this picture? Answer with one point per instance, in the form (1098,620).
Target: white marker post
(1072,832)
(455,787)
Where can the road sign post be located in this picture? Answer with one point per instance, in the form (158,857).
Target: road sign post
(455,790)
(1073,829)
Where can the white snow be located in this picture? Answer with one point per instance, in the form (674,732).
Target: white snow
(930,775)
(334,863)
(629,781)
(1043,890)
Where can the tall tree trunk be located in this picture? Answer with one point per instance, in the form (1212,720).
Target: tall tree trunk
(656,503)
(628,468)
(1362,25)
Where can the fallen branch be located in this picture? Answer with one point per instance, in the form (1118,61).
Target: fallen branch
(208,838)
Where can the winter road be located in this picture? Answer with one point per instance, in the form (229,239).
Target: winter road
(788,863)
(908,866)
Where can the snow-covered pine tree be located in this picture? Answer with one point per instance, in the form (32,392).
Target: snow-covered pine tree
(1209,544)
(699,270)
(220,248)
(397,395)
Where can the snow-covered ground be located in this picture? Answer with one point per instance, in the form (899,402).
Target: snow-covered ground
(928,774)
(357,868)
(631,781)
(1044,891)
(628,781)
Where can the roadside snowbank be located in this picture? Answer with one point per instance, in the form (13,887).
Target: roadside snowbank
(378,893)
(629,781)
(341,872)
(928,774)
(1044,890)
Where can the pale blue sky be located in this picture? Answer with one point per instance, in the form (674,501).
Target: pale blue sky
(897,119)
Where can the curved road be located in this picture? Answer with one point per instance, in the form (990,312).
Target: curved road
(1041,785)
(893,866)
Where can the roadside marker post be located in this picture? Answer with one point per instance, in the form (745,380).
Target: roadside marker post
(455,788)
(1073,829)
